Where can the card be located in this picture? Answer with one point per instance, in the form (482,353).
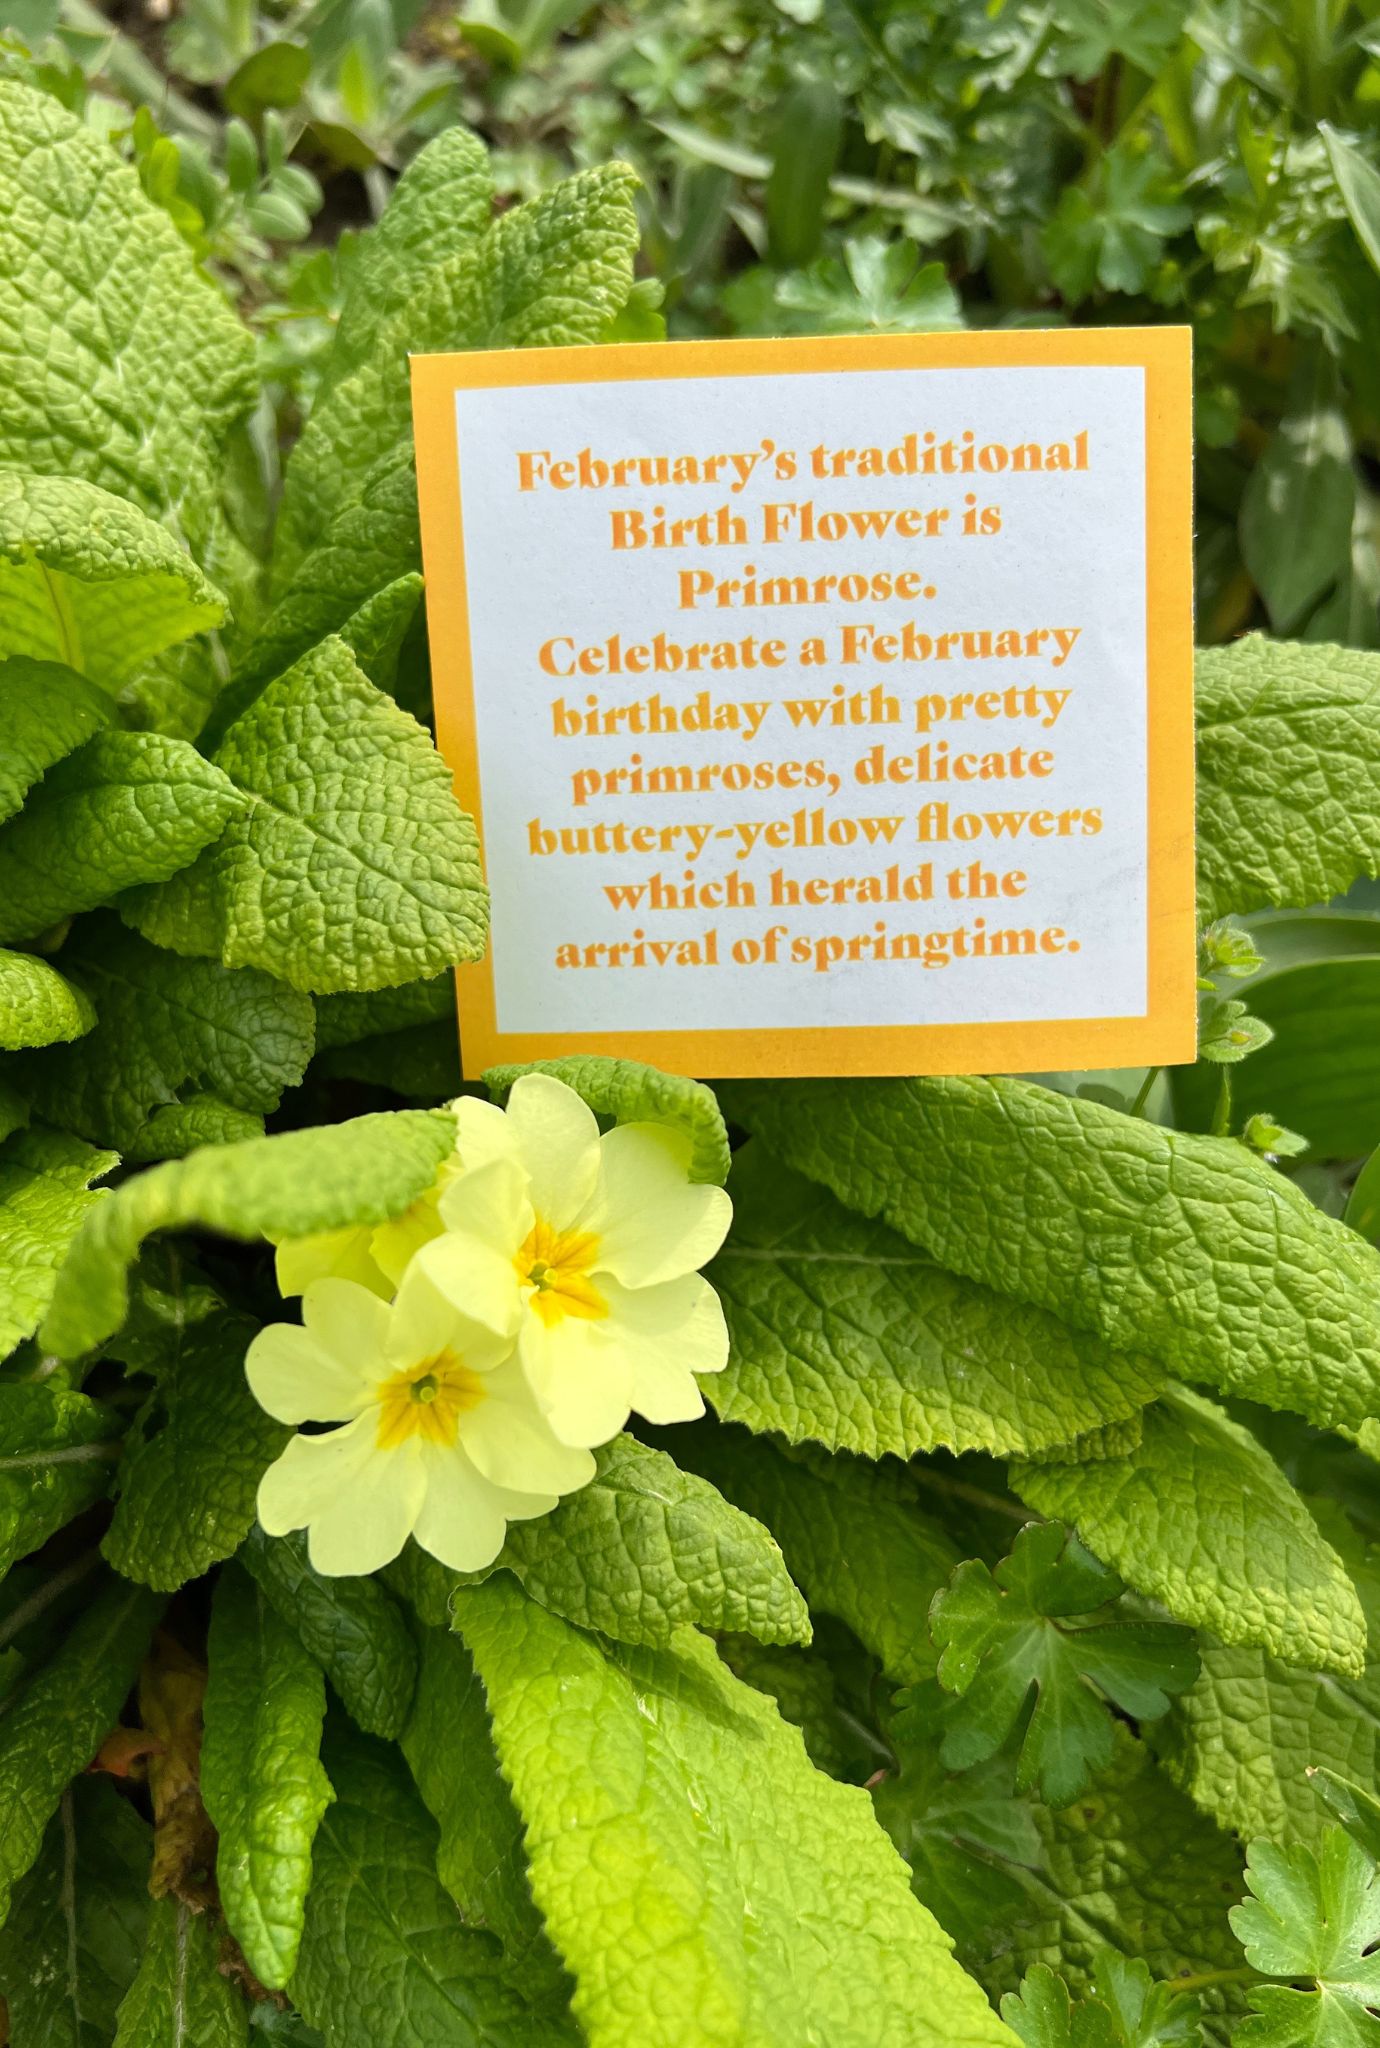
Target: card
(825,705)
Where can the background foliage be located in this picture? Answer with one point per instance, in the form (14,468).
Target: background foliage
(1034,1529)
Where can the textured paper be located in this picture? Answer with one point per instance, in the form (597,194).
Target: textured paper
(825,705)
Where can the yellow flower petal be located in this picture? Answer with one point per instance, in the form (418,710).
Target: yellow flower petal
(330,1254)
(324,1372)
(653,1224)
(464,1517)
(582,1375)
(558,1144)
(511,1441)
(357,1504)
(671,1332)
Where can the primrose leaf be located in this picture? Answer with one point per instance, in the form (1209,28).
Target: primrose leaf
(165,1022)
(854,1536)
(45,711)
(626,1092)
(57,1452)
(289,1185)
(1356,1809)
(1288,773)
(45,1192)
(353,867)
(479,1858)
(69,1949)
(1041,1623)
(1150,1238)
(641,1551)
(1313,1915)
(126,807)
(261,1775)
(125,365)
(38,1006)
(89,580)
(179,1993)
(54,1725)
(187,1488)
(705,1801)
(385,1954)
(842,1332)
(177,1128)
(352,1627)
(1199,1517)
(1127,2009)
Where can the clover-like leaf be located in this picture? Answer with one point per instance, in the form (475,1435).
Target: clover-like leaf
(1313,1918)
(1042,1623)
(1125,2009)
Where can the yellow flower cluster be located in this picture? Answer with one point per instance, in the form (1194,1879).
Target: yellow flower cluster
(475,1351)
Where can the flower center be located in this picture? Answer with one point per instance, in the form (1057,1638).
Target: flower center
(427,1400)
(556,1265)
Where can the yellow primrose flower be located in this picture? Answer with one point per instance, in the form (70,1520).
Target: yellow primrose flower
(441,1437)
(375,1255)
(591,1248)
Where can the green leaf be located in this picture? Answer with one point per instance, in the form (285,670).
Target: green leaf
(1311,1916)
(290,1185)
(38,1006)
(842,1332)
(625,1092)
(1200,1518)
(1359,184)
(133,368)
(57,1452)
(346,1019)
(479,1858)
(353,1628)
(127,807)
(809,132)
(1356,1809)
(55,1724)
(776,1894)
(1150,1238)
(353,868)
(1288,773)
(87,578)
(854,1537)
(69,1949)
(1109,233)
(1296,513)
(1143,31)
(1243,1740)
(45,711)
(385,1955)
(879,287)
(641,1551)
(179,1996)
(1128,2010)
(261,1775)
(164,1023)
(187,1487)
(1044,1622)
(177,1128)
(45,1192)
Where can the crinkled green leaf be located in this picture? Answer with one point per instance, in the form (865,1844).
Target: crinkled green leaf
(421,1065)
(386,1958)
(180,1998)
(261,1775)
(70,1947)
(1183,1249)
(125,808)
(187,1485)
(842,1332)
(1312,1916)
(1356,1809)
(45,711)
(90,580)
(626,1092)
(289,1185)
(1126,2009)
(479,1857)
(55,1724)
(57,1451)
(1043,1622)
(45,1192)
(177,1128)
(125,365)
(164,1023)
(353,1628)
(1200,1518)
(346,1019)
(854,1536)
(39,1006)
(776,1895)
(1242,1740)
(641,1551)
(811,1694)
(353,868)
(1288,773)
